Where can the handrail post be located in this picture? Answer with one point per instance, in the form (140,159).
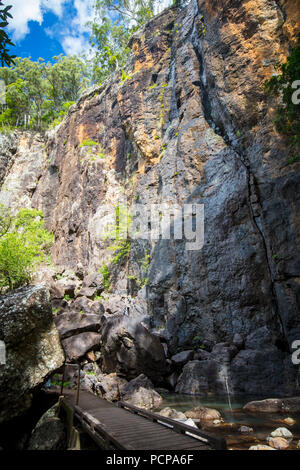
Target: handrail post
(63,379)
(78,386)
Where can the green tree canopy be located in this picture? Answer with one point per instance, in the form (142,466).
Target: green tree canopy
(24,243)
(114,24)
(39,93)
(5,57)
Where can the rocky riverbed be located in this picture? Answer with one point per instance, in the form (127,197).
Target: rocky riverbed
(241,428)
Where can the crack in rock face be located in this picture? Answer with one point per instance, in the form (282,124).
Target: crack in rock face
(190,125)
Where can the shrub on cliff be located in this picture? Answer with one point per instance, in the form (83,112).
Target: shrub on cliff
(114,23)
(23,244)
(286,86)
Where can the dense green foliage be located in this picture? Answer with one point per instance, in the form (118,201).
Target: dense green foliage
(114,24)
(5,57)
(285,85)
(24,243)
(39,93)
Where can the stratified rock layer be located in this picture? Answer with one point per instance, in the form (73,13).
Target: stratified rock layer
(190,124)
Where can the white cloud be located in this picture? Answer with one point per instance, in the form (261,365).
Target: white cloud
(75,38)
(72,32)
(75,45)
(31,10)
(160,5)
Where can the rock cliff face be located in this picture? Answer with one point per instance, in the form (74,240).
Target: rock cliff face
(190,124)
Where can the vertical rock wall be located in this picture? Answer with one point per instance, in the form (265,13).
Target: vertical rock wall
(190,124)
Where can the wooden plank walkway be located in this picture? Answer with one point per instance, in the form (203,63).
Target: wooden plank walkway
(126,427)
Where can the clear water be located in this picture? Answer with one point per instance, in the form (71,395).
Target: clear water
(262,423)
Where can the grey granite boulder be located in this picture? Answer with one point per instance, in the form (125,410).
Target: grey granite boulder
(182,358)
(33,349)
(77,346)
(140,392)
(71,324)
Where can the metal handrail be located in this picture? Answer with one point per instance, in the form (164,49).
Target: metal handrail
(77,364)
(181,428)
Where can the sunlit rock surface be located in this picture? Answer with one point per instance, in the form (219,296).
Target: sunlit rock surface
(190,124)
(33,349)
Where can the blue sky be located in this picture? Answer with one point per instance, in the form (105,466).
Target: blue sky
(45,28)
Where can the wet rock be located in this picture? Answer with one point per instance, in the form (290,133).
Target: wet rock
(289,421)
(245,430)
(49,433)
(173,414)
(33,349)
(274,405)
(204,414)
(77,346)
(282,432)
(71,324)
(278,443)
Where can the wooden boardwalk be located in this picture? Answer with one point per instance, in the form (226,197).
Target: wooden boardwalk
(126,427)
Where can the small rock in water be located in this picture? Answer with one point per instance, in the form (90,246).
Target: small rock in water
(289,421)
(245,429)
(278,443)
(261,447)
(282,432)
(173,414)
(203,413)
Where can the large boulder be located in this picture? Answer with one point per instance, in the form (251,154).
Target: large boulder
(49,433)
(33,349)
(267,369)
(200,378)
(140,392)
(274,405)
(203,413)
(77,346)
(70,324)
(129,348)
(181,358)
(110,386)
(87,306)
